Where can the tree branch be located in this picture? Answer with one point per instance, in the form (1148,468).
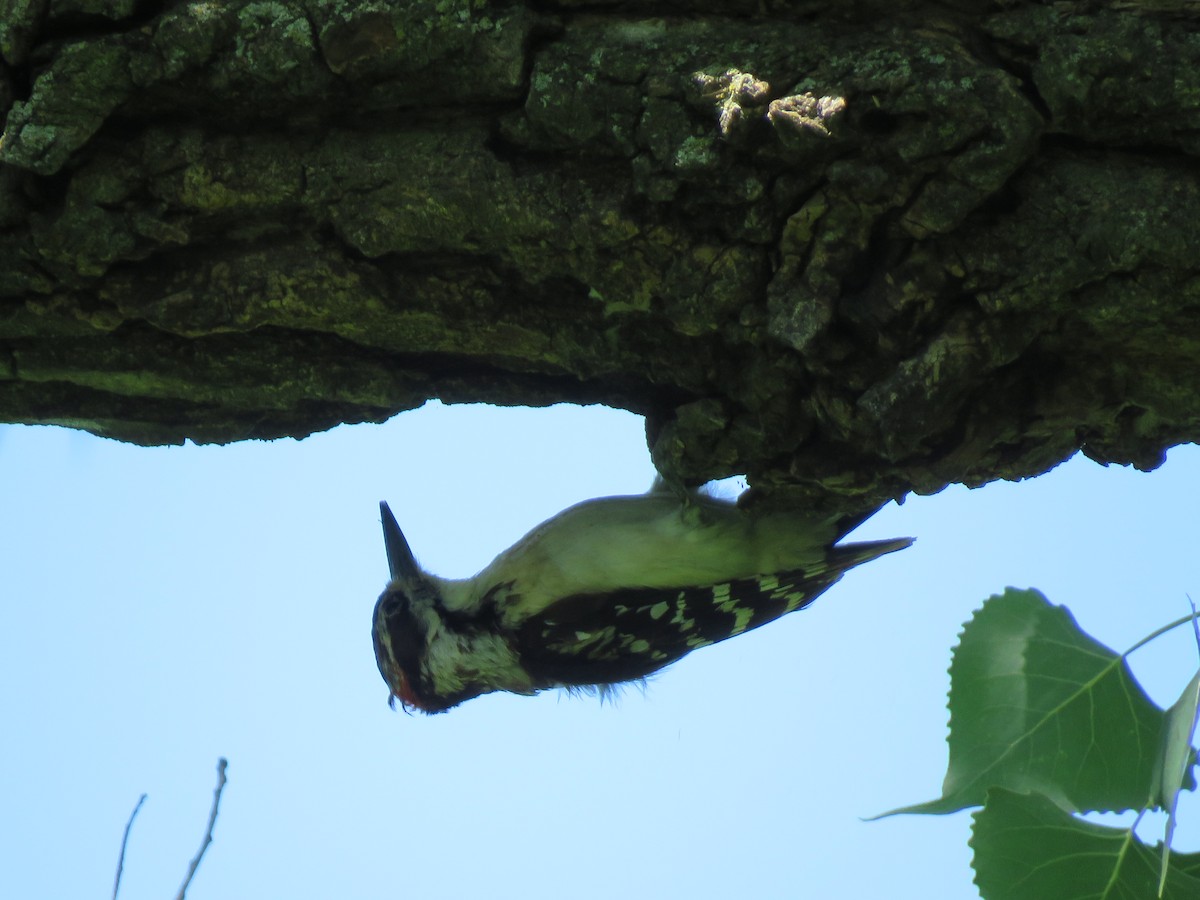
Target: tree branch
(846,262)
(124,842)
(212,819)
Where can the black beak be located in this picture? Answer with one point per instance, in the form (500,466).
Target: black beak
(400,558)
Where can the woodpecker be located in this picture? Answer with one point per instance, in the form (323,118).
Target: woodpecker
(608,591)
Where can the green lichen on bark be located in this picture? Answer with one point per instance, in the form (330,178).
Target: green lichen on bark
(845,258)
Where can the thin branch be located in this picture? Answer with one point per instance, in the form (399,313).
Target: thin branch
(124,842)
(212,819)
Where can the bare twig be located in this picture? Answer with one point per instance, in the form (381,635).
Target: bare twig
(124,842)
(212,819)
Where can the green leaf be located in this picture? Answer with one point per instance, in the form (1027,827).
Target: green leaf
(1178,757)
(1027,848)
(1036,705)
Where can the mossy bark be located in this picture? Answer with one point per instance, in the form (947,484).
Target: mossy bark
(852,249)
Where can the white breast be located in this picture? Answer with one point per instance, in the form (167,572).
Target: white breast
(649,540)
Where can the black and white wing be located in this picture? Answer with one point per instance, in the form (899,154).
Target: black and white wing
(630,633)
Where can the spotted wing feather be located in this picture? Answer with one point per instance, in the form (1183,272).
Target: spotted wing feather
(627,634)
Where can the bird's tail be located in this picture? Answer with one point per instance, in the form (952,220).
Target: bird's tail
(847,556)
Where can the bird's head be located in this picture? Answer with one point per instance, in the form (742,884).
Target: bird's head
(398,630)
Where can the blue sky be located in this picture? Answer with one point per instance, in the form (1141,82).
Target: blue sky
(163,607)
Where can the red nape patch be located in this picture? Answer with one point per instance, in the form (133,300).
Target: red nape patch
(408,699)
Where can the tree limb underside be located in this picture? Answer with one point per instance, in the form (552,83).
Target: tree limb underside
(853,249)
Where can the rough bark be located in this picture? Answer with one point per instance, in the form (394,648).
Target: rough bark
(851,248)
